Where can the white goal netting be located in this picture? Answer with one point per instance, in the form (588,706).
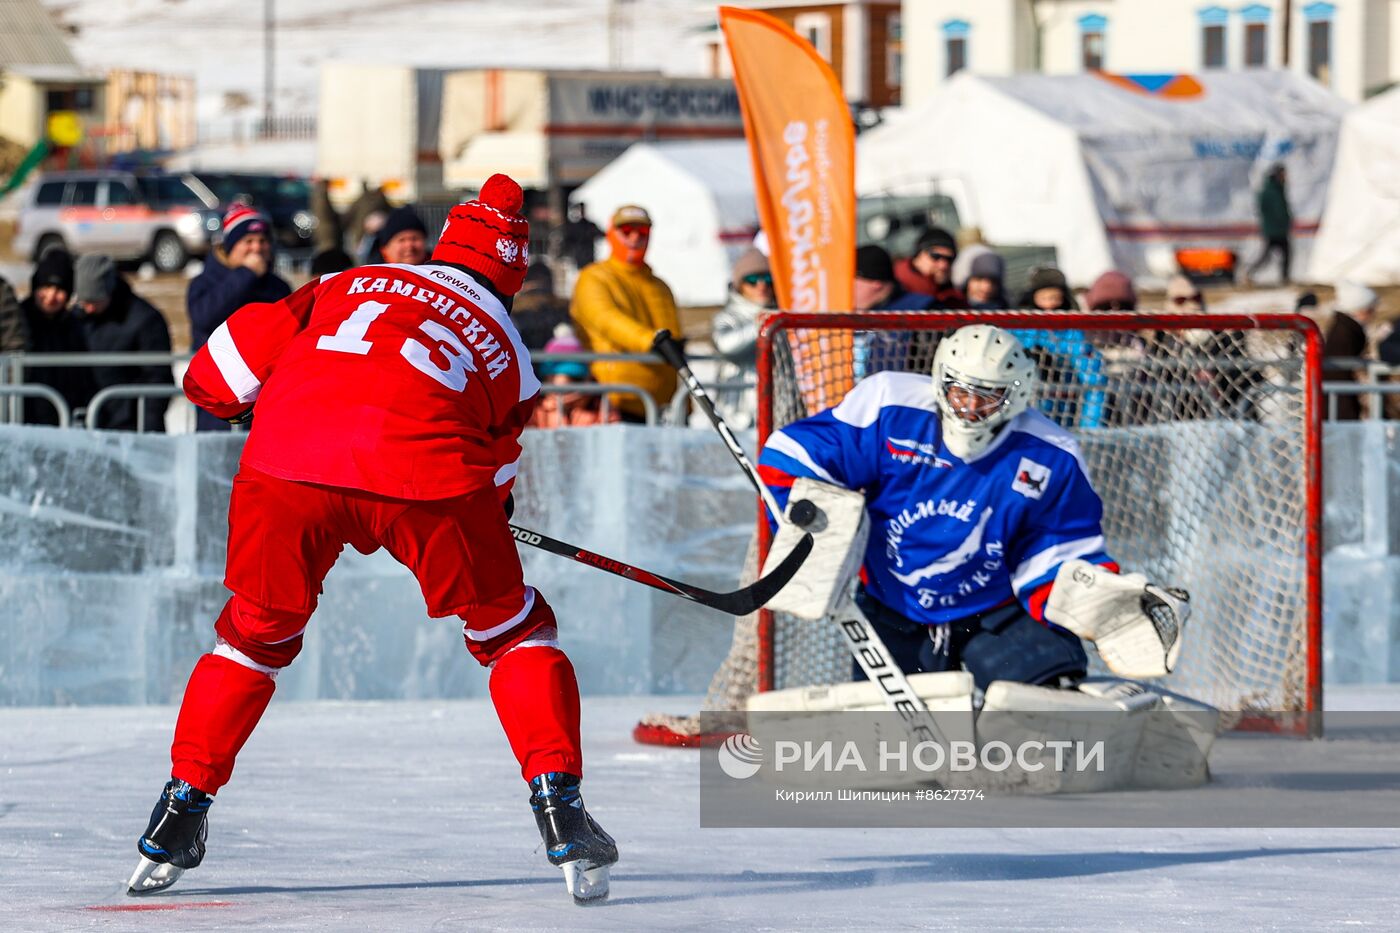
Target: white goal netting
(1200,434)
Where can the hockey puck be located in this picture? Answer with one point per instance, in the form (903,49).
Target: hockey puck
(802,512)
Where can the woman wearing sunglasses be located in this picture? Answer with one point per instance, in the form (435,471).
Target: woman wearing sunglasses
(734,332)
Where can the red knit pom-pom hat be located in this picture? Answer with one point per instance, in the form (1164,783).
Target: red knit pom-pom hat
(489,235)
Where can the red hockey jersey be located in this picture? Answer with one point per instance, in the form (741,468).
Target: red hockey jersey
(405,381)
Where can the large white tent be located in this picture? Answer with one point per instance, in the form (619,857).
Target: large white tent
(701,200)
(1114,171)
(1360,235)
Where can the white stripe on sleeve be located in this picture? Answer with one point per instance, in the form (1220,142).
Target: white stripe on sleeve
(231,366)
(785,445)
(862,405)
(1037,566)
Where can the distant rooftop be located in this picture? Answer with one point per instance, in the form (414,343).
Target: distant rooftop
(29,37)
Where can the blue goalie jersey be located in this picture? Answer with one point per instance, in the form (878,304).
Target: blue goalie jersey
(948,538)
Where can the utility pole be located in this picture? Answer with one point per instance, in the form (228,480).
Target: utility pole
(1037,37)
(1287,31)
(268,81)
(616,33)
(612,34)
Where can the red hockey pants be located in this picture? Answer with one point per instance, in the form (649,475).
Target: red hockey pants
(283,539)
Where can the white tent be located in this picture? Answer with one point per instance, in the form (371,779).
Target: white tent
(700,197)
(1360,235)
(1114,171)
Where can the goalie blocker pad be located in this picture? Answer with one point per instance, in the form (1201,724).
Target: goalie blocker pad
(839,533)
(1135,625)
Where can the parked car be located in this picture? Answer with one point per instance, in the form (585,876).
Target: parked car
(160,217)
(285,198)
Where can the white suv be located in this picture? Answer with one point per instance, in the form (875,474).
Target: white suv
(165,218)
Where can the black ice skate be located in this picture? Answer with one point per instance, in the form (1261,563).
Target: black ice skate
(573,840)
(174,839)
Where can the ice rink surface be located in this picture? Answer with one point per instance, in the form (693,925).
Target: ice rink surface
(409,816)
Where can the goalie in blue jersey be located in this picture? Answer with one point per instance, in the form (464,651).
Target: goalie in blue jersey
(985,549)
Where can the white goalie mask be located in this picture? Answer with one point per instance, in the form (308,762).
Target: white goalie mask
(982,378)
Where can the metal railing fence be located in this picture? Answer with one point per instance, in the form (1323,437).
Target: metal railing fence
(1373,382)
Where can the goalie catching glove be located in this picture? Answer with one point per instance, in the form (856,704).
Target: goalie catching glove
(1135,625)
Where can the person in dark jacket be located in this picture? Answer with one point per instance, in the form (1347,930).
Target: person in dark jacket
(371,200)
(52,328)
(236,273)
(1344,340)
(403,238)
(538,311)
(576,240)
(329,232)
(12,336)
(114,319)
(877,290)
(930,270)
(985,286)
(1275,222)
(1112,291)
(1048,290)
(331,260)
(1071,369)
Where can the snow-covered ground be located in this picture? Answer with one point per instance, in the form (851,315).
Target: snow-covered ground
(220,42)
(411,816)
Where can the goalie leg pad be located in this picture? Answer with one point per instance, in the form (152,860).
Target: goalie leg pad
(1022,715)
(1149,740)
(1177,739)
(1135,625)
(839,533)
(857,715)
(949,691)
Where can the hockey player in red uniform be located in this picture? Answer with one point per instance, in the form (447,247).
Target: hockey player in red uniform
(390,401)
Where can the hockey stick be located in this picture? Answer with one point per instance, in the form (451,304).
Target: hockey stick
(874,658)
(670,351)
(864,643)
(741,602)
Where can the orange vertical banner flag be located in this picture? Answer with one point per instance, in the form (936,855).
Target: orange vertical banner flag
(802,145)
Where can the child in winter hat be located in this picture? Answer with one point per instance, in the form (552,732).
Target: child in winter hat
(241,220)
(564,341)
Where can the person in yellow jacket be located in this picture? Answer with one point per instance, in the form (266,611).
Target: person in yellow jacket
(619,305)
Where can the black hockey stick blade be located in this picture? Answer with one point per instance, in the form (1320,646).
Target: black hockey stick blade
(741,602)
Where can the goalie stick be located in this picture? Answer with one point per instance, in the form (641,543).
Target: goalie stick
(741,602)
(861,639)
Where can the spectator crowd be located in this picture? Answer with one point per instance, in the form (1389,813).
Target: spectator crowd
(87,307)
(577,304)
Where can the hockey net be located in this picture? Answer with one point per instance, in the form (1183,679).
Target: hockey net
(1200,433)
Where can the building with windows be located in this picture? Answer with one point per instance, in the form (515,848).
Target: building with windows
(861,39)
(39,76)
(1344,45)
(42,86)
